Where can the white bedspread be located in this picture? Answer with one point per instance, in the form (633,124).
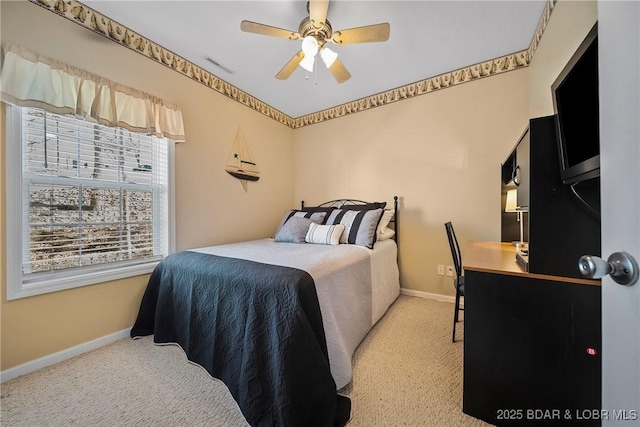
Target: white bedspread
(355,287)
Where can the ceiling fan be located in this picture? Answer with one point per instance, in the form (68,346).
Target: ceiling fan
(315,31)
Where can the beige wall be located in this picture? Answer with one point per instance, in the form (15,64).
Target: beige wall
(439,152)
(569,24)
(211,206)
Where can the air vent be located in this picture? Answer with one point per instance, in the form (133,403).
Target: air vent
(217,64)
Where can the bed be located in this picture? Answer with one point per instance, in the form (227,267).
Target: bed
(278,319)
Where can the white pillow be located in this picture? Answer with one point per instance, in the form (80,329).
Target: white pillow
(384,222)
(324,234)
(386,234)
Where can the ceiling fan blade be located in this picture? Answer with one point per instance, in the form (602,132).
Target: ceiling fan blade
(290,66)
(339,71)
(367,34)
(267,30)
(318,10)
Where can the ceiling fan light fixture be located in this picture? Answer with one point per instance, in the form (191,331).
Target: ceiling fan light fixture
(310,46)
(307,63)
(328,56)
(314,32)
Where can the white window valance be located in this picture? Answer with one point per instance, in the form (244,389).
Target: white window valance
(32,80)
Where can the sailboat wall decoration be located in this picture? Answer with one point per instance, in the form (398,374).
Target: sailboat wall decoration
(240,164)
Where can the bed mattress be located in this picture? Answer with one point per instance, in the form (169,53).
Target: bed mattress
(355,287)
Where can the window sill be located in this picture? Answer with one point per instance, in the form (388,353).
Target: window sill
(48,285)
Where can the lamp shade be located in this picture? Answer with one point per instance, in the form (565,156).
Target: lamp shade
(309,46)
(328,56)
(307,63)
(512,201)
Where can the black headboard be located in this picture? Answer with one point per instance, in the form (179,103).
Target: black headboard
(338,203)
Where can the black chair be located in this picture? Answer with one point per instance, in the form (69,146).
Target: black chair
(458,282)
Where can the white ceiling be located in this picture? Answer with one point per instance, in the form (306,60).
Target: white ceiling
(427,38)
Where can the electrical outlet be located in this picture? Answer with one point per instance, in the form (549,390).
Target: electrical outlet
(440,270)
(450,272)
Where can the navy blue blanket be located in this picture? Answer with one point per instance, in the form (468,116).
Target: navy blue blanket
(256,327)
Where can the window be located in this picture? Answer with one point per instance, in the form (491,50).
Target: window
(86,203)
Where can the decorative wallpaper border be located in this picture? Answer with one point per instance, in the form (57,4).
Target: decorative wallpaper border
(473,72)
(431,84)
(542,25)
(101,24)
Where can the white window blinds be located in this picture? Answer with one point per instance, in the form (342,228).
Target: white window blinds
(92,196)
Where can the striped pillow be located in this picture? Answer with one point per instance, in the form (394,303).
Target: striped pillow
(318,217)
(359,225)
(324,234)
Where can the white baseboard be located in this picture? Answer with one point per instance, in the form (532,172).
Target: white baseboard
(427,295)
(62,355)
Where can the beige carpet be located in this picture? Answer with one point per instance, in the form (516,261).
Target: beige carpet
(406,373)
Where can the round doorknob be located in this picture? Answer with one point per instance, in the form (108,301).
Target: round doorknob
(622,267)
(594,267)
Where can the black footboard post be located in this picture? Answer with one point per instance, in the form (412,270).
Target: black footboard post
(395,219)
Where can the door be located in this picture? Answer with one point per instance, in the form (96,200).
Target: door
(619,75)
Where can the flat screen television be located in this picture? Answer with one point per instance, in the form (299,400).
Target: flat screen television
(576,103)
